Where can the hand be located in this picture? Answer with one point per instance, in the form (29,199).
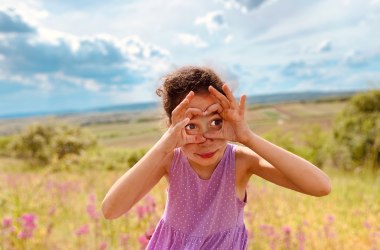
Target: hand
(176,135)
(234,126)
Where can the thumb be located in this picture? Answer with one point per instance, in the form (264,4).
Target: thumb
(213,135)
(195,139)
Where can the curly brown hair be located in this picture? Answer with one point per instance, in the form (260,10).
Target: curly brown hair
(179,83)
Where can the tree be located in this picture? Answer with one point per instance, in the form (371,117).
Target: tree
(357,128)
(40,144)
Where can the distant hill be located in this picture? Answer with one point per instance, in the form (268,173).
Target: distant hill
(298,96)
(257,99)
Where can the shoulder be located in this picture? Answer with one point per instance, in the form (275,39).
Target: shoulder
(246,159)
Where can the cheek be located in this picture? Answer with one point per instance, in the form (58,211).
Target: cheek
(189,148)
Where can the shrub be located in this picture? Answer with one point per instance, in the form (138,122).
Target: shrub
(4,142)
(310,143)
(135,156)
(357,129)
(41,144)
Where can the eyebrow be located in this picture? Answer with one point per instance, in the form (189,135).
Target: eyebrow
(211,114)
(214,113)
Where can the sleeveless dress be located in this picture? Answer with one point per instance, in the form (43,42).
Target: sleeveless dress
(201,214)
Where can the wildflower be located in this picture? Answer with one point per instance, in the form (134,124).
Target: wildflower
(140,211)
(29,225)
(327,228)
(330,219)
(103,245)
(144,239)
(82,230)
(91,207)
(287,236)
(367,224)
(150,204)
(301,238)
(124,240)
(8,225)
(269,230)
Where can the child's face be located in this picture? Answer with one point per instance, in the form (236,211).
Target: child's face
(210,152)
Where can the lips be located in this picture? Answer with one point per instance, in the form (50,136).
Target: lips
(207,155)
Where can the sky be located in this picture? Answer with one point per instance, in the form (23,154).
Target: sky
(76,55)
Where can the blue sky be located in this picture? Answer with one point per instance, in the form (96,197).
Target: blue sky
(67,55)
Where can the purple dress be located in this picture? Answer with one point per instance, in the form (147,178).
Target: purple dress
(201,214)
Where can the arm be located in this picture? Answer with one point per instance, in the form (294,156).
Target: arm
(135,183)
(284,168)
(147,172)
(266,159)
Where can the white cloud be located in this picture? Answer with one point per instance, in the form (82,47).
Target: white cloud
(214,21)
(324,46)
(193,40)
(277,45)
(228,39)
(355,58)
(245,5)
(29,10)
(77,57)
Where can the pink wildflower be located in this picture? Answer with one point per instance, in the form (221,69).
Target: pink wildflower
(140,211)
(8,224)
(124,240)
(144,240)
(103,245)
(330,219)
(367,224)
(85,229)
(301,238)
(29,225)
(269,230)
(91,207)
(287,236)
(91,211)
(150,204)
(329,233)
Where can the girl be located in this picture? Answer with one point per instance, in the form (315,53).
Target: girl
(207,175)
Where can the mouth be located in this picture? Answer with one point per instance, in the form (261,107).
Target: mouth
(206,155)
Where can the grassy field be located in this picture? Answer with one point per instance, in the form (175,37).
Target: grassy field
(289,117)
(49,208)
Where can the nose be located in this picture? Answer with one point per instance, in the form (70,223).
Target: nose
(203,129)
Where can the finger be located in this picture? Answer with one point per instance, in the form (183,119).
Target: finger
(177,113)
(213,135)
(242,102)
(191,112)
(195,139)
(228,93)
(216,107)
(222,99)
(180,125)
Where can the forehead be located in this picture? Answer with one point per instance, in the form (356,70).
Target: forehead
(202,101)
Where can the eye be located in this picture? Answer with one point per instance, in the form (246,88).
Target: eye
(190,126)
(217,122)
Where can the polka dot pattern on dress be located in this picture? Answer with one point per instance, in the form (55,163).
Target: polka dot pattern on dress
(201,214)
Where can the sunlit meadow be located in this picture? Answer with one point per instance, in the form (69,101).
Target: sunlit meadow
(58,207)
(62,211)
